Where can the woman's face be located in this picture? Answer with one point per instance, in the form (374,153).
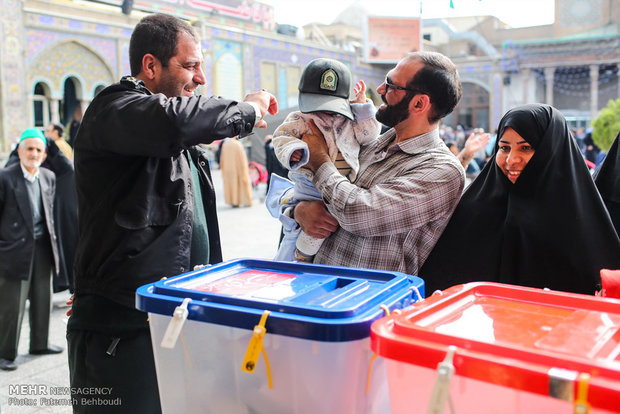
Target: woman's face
(513,154)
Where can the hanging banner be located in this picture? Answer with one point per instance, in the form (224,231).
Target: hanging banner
(388,39)
(248,11)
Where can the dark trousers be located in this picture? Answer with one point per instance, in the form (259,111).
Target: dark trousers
(38,290)
(123,371)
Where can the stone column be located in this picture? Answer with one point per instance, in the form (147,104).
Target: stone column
(527,74)
(593,91)
(549,74)
(495,99)
(84,104)
(13,95)
(54,112)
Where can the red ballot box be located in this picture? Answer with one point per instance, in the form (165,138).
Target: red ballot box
(494,348)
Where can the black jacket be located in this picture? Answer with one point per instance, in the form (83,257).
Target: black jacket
(134,187)
(16,223)
(607,179)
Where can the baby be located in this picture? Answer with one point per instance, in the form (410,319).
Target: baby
(324,98)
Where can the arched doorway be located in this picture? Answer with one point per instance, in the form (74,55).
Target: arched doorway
(228,69)
(98,89)
(68,86)
(69,102)
(40,105)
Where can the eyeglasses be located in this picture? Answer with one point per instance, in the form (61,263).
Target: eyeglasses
(389,85)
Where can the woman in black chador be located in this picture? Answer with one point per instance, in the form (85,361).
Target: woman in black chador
(607,179)
(533,217)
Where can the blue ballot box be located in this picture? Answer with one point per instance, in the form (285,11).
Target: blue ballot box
(259,336)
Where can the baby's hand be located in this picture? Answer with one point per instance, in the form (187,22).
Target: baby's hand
(360,92)
(296,155)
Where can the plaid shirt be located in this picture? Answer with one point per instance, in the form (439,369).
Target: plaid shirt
(392,215)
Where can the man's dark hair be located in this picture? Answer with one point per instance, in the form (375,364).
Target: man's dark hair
(440,80)
(59,128)
(157,34)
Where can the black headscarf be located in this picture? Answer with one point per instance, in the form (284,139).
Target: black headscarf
(548,229)
(607,179)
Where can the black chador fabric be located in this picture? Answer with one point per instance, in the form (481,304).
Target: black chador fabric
(549,229)
(607,179)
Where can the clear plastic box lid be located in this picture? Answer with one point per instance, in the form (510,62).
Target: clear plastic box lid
(328,303)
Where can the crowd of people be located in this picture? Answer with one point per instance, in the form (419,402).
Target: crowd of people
(133,200)
(456,140)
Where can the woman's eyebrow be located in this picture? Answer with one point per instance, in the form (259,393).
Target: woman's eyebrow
(520,142)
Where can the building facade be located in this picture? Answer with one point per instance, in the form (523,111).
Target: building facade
(57,55)
(571,64)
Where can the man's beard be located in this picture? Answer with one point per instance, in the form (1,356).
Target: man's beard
(34,164)
(392,115)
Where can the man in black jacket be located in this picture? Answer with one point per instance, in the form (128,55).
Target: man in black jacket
(146,205)
(65,212)
(28,249)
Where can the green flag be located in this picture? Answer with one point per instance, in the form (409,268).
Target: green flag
(451,4)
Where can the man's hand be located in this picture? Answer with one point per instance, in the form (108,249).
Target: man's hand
(266,102)
(316,147)
(314,219)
